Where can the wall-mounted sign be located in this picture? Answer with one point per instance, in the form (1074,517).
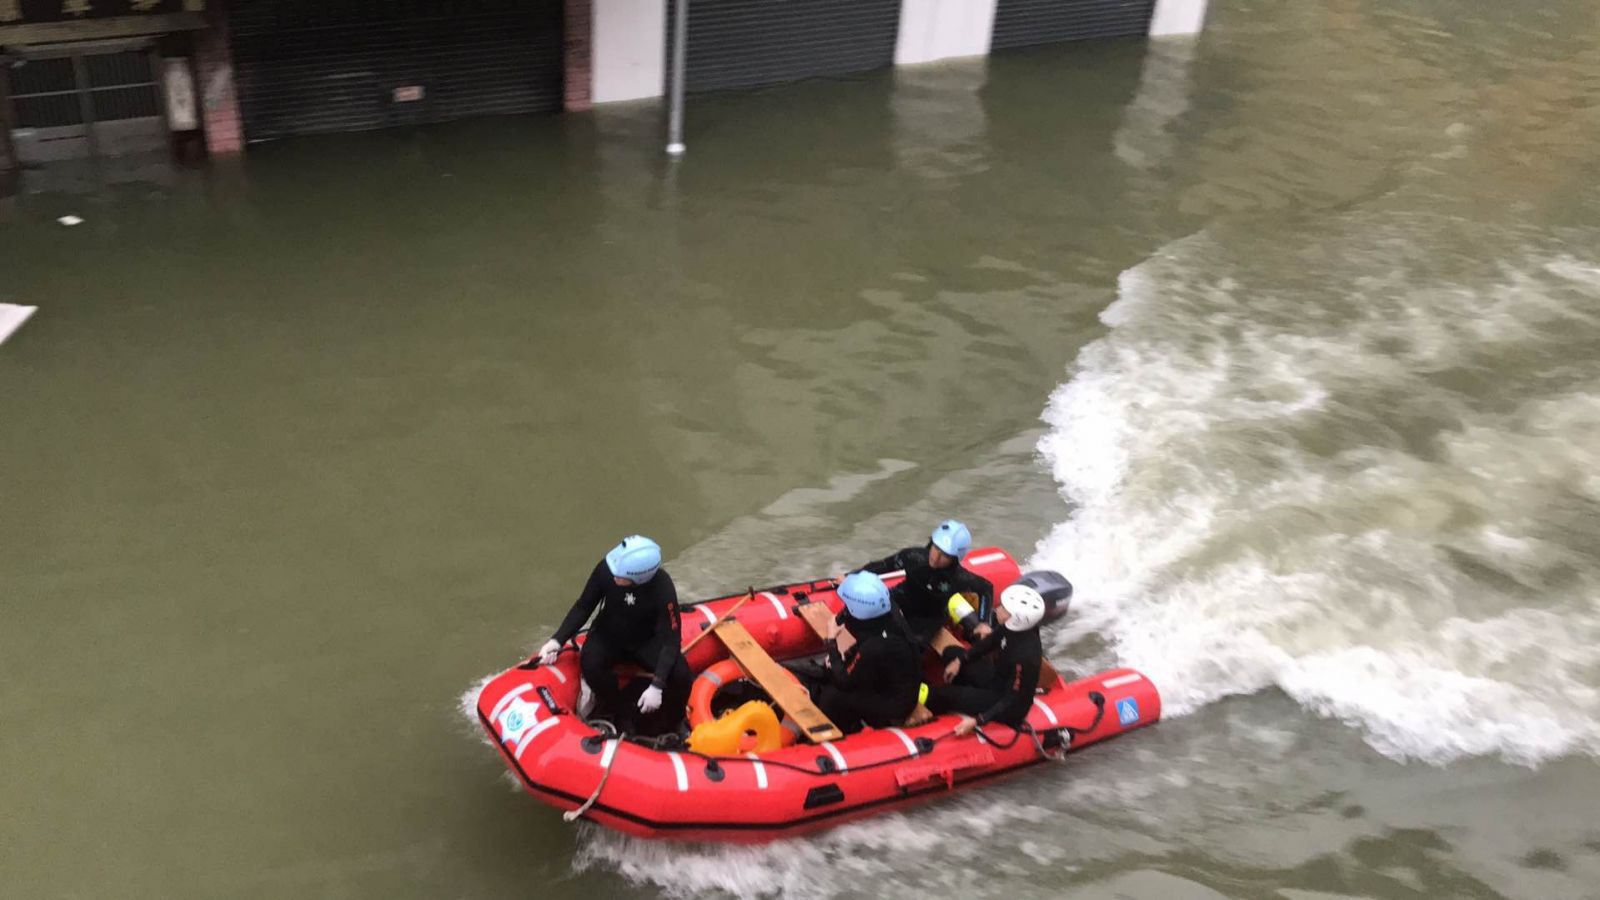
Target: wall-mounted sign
(182,114)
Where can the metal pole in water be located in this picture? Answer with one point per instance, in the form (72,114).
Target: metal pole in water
(680,44)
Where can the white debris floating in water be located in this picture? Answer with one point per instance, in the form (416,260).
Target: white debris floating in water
(70,221)
(11,318)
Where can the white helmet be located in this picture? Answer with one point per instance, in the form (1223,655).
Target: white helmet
(1024,604)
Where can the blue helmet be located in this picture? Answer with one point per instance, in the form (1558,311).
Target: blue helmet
(953,538)
(637,558)
(864,595)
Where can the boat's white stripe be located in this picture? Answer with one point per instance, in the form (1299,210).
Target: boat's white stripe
(776,604)
(761,771)
(1121,680)
(838,758)
(506,701)
(911,746)
(683,774)
(561,676)
(1048,712)
(711,617)
(610,751)
(531,733)
(986,558)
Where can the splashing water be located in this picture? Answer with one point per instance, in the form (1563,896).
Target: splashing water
(1376,494)
(1311,485)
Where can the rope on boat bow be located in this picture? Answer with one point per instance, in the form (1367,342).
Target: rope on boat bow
(605,774)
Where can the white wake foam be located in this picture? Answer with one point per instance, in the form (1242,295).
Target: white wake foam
(1376,493)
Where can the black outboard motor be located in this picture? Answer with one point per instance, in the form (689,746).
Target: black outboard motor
(1054,588)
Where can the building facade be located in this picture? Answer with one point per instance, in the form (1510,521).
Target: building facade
(82,78)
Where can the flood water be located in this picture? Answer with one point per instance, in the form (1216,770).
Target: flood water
(1284,344)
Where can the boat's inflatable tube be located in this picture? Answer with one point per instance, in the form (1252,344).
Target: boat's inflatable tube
(560,759)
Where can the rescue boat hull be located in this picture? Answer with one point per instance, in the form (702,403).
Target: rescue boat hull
(675,794)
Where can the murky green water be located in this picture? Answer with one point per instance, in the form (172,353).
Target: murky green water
(295,452)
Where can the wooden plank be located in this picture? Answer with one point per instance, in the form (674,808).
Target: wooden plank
(821,619)
(1048,676)
(942,639)
(777,681)
(818,616)
(720,619)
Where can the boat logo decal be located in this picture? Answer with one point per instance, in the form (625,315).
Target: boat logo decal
(509,699)
(519,716)
(1127,710)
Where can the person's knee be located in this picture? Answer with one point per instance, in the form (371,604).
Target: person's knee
(841,708)
(677,692)
(955,698)
(595,662)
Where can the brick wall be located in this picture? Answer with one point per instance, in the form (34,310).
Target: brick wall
(219,102)
(578,19)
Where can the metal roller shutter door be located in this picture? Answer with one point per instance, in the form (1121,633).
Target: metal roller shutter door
(1022,23)
(748,43)
(309,66)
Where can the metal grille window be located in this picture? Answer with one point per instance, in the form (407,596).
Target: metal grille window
(308,66)
(86,101)
(44,94)
(1023,23)
(122,85)
(749,43)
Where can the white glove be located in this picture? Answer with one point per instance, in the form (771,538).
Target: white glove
(547,653)
(650,700)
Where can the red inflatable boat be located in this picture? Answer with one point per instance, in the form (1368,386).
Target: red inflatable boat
(632,787)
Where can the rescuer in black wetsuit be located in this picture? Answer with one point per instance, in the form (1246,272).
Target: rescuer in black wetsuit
(933,573)
(875,682)
(638,622)
(1018,657)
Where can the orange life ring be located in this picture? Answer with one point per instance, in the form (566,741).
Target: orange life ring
(710,681)
(706,686)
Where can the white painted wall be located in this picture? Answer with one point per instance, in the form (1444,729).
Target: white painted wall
(1178,17)
(629,49)
(942,29)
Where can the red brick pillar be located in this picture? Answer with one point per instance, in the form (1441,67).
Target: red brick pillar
(578,18)
(219,102)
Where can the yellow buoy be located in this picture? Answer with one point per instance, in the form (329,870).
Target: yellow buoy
(752,727)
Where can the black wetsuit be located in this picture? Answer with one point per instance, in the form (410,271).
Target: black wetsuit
(1008,693)
(924,595)
(874,683)
(637,623)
